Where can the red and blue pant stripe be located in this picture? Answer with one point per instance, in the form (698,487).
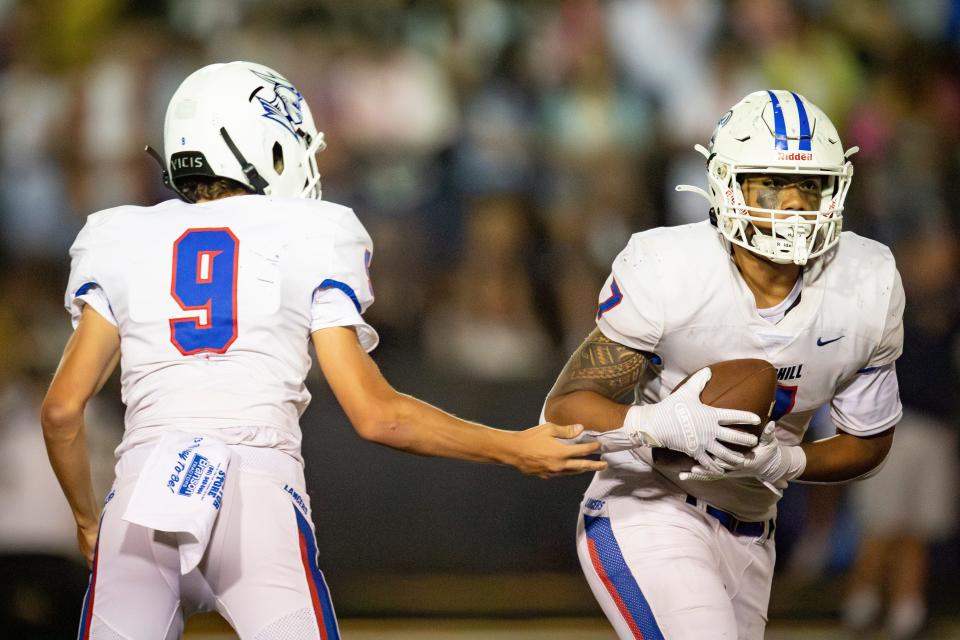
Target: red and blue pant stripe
(86,615)
(319,593)
(608,562)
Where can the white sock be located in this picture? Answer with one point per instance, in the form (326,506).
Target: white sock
(906,618)
(861,608)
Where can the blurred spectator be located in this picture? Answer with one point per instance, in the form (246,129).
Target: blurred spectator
(795,50)
(493,320)
(400,279)
(912,501)
(810,555)
(44,575)
(664,46)
(110,122)
(34,211)
(496,150)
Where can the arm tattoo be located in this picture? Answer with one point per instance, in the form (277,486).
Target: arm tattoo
(602,366)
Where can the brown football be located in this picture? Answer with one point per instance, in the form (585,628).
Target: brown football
(747,384)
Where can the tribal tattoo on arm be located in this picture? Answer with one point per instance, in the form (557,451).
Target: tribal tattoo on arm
(603,366)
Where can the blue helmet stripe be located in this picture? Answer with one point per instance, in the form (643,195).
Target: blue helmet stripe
(779,124)
(804,123)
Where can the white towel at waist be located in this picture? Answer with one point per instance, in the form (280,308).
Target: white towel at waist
(180,490)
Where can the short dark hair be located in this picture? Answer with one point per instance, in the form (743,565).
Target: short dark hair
(196,188)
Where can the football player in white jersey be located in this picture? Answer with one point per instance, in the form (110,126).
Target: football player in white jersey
(209,304)
(685,551)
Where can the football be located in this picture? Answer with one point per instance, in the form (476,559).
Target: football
(748,384)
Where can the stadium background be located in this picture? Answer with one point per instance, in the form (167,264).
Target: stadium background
(500,154)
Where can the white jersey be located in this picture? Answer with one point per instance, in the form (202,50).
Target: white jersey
(675,294)
(215,302)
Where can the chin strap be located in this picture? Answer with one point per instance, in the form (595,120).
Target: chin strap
(257,182)
(164,174)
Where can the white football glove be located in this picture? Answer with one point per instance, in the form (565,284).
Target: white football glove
(683,423)
(770,462)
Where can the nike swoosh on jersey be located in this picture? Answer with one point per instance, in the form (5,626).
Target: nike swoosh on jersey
(821,341)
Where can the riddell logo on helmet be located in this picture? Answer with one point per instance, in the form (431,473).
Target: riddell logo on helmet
(795,155)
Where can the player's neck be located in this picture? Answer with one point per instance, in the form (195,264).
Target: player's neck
(770,282)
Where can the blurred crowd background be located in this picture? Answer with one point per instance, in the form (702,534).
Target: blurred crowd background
(500,154)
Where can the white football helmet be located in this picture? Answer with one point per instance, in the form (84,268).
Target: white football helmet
(246,122)
(777,132)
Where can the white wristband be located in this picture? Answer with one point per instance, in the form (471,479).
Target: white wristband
(633,425)
(795,461)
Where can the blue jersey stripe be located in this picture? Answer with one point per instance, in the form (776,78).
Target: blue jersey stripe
(82,289)
(343,286)
(779,124)
(600,533)
(804,123)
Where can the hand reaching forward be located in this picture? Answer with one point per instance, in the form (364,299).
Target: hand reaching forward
(771,462)
(539,451)
(682,423)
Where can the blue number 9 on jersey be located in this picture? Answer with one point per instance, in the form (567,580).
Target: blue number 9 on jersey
(205,282)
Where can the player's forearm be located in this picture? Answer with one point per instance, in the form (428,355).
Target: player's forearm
(844,457)
(107,371)
(408,424)
(65,438)
(588,408)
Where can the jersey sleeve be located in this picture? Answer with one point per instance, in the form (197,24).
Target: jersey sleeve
(343,292)
(84,287)
(629,309)
(869,403)
(891,337)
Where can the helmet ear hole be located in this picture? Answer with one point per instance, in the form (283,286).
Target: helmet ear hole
(277,158)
